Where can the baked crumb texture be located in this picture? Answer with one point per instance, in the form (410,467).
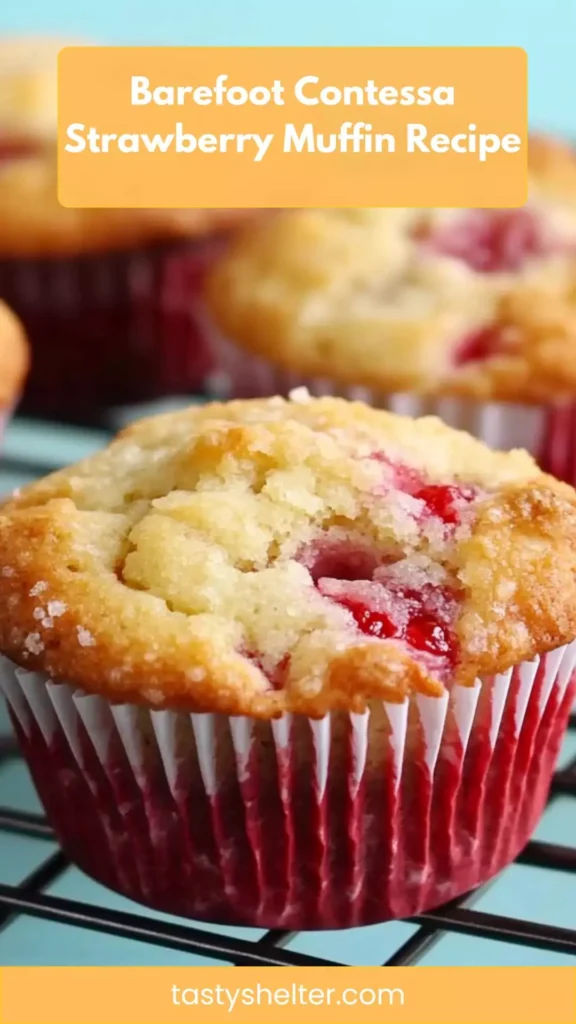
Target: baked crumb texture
(14,357)
(480,303)
(303,555)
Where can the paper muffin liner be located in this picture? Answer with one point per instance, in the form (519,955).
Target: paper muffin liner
(297,823)
(548,432)
(111,328)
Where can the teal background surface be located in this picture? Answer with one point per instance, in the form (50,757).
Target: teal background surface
(547,31)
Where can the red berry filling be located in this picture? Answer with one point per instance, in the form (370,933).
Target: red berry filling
(443,501)
(425,634)
(391,597)
(339,559)
(480,345)
(14,149)
(386,609)
(492,241)
(391,594)
(403,478)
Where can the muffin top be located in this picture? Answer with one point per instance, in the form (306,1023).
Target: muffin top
(28,90)
(300,555)
(471,302)
(32,222)
(14,356)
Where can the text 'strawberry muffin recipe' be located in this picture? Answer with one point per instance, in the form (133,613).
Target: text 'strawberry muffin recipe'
(294,664)
(468,314)
(109,298)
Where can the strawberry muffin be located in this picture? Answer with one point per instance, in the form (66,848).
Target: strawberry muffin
(109,298)
(14,361)
(294,664)
(468,314)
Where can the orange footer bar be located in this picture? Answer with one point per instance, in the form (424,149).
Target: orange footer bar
(309,995)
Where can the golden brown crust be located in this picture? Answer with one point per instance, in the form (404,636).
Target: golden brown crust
(364,298)
(169,568)
(14,356)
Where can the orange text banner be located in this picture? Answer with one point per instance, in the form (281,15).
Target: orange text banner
(247,995)
(292,127)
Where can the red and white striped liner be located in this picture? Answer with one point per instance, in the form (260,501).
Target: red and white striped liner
(111,328)
(297,823)
(547,432)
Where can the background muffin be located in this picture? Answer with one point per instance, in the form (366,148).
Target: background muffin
(108,297)
(29,93)
(449,311)
(301,664)
(14,361)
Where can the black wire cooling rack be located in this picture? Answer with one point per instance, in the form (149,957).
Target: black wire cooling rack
(459,916)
